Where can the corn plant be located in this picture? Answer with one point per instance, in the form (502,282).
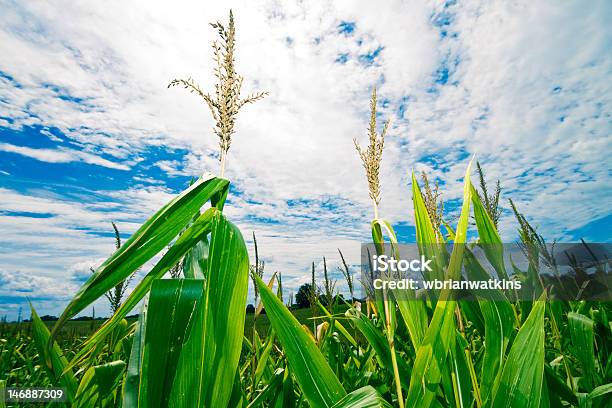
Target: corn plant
(346,272)
(256,269)
(330,288)
(489,353)
(186,346)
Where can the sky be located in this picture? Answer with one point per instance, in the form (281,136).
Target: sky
(90,133)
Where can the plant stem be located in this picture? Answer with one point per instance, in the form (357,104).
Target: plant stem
(222,167)
(398,385)
(470,362)
(390,340)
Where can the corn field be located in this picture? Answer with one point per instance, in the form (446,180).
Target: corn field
(189,348)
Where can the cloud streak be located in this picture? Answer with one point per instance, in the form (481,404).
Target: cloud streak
(525,86)
(61,156)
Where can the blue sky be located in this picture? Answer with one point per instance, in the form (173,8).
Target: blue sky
(90,134)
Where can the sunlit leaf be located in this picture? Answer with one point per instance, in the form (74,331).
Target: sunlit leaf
(209,358)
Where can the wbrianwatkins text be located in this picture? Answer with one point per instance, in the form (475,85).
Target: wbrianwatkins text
(435,284)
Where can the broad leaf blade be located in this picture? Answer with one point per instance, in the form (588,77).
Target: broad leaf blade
(99,385)
(170,313)
(499,319)
(413,314)
(594,395)
(521,380)
(131,384)
(194,265)
(581,332)
(379,343)
(57,363)
(462,384)
(209,359)
(365,397)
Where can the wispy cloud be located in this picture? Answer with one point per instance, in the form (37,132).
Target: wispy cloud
(525,86)
(61,155)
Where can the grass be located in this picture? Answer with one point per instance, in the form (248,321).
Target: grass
(72,329)
(83,328)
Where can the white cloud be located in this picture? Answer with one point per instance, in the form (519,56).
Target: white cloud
(61,155)
(528,91)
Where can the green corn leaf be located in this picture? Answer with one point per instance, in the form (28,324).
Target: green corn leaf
(262,359)
(260,306)
(237,398)
(424,228)
(431,355)
(556,386)
(99,385)
(2,392)
(270,390)
(317,380)
(587,400)
(381,296)
(170,313)
(521,379)
(378,226)
(56,368)
(131,383)
(427,240)
(581,332)
(187,240)
(288,400)
(488,235)
(448,388)
(413,314)
(498,317)
(195,260)
(365,397)
(379,343)
(153,236)
(209,358)
(461,378)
